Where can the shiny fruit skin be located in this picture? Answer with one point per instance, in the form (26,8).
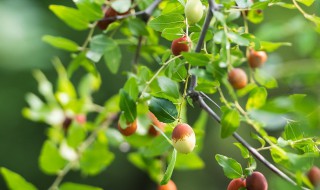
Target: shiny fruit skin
(314,176)
(155,122)
(193,11)
(179,45)
(169,186)
(256,181)
(237,78)
(183,138)
(131,128)
(236,184)
(257,58)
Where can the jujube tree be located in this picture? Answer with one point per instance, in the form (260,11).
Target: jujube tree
(210,53)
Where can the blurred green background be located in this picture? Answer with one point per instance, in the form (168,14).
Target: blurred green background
(24,22)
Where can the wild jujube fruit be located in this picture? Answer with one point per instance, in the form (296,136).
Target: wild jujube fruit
(193,11)
(257,58)
(179,45)
(169,186)
(314,176)
(183,138)
(237,78)
(154,122)
(129,130)
(256,181)
(236,184)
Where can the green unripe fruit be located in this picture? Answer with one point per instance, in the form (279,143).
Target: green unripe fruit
(183,138)
(193,11)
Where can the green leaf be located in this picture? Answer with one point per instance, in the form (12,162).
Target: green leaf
(257,98)
(158,146)
(137,27)
(230,121)
(131,87)
(258,138)
(190,161)
(61,43)
(231,168)
(167,21)
(244,151)
(163,109)
(76,134)
(98,45)
(50,159)
(102,45)
(15,181)
(152,166)
(168,173)
(199,128)
(293,131)
(168,87)
(172,33)
(121,6)
(272,46)
(128,106)
(91,10)
(72,17)
(306,2)
(236,38)
(197,59)
(265,79)
(76,186)
(95,158)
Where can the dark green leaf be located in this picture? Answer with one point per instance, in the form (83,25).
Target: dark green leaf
(163,109)
(231,168)
(197,59)
(72,17)
(16,182)
(168,173)
(128,106)
(230,121)
(167,21)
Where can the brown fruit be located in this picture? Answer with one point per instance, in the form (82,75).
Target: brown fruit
(103,24)
(237,78)
(183,138)
(131,128)
(110,12)
(314,176)
(257,58)
(155,122)
(169,186)
(179,45)
(236,184)
(66,124)
(256,181)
